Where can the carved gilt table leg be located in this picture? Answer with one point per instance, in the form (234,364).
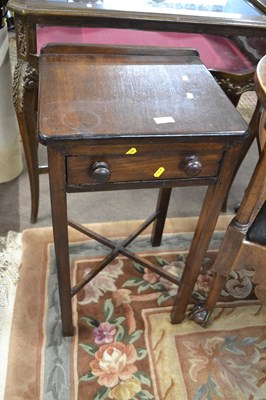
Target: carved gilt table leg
(25,87)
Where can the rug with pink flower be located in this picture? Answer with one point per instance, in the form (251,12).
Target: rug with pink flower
(125,347)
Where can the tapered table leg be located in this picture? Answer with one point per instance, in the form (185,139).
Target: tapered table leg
(210,211)
(162,207)
(60,230)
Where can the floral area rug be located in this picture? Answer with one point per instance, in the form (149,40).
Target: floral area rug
(125,347)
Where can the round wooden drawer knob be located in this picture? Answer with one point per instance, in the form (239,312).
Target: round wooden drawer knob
(192,166)
(100,172)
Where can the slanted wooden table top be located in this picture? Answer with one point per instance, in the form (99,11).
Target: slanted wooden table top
(88,92)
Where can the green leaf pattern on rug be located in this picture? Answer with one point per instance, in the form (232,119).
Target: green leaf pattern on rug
(108,309)
(114,358)
(238,284)
(152,281)
(163,287)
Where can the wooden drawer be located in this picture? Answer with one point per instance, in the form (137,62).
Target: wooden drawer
(143,163)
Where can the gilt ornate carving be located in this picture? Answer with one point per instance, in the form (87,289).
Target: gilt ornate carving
(229,86)
(25,79)
(21,37)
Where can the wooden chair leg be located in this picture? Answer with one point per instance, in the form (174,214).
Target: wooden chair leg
(253,135)
(202,312)
(243,155)
(223,264)
(162,207)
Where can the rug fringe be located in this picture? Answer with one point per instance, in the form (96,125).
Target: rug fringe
(10,259)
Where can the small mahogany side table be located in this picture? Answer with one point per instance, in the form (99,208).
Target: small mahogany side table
(134,117)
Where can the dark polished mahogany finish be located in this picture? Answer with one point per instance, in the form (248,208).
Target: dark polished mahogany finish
(219,17)
(112,128)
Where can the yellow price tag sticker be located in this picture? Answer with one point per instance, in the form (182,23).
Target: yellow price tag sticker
(133,150)
(159,172)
